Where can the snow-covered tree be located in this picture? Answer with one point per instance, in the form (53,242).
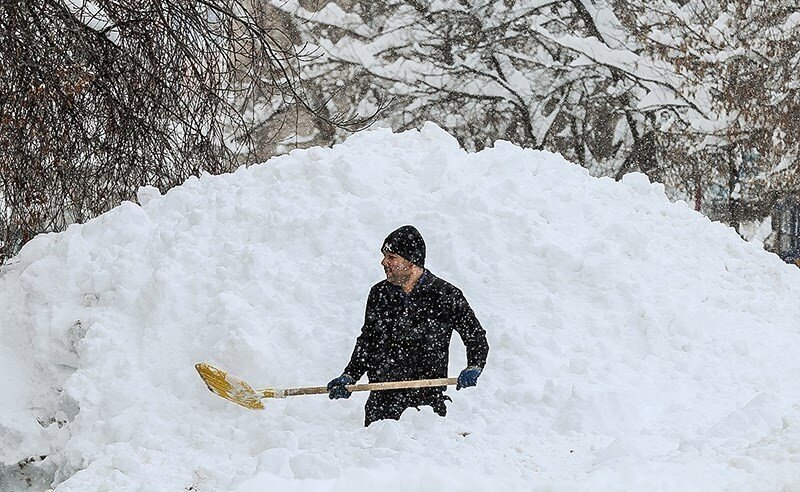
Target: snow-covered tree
(697,94)
(544,74)
(737,61)
(99,97)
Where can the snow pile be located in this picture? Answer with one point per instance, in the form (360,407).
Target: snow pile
(634,343)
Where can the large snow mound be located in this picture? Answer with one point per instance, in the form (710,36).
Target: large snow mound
(634,343)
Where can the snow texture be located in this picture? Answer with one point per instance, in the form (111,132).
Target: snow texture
(635,345)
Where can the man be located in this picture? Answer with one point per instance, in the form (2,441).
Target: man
(409,320)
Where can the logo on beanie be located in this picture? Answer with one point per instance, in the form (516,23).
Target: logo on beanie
(408,243)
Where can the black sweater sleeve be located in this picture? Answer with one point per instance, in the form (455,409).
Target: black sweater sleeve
(364,350)
(469,328)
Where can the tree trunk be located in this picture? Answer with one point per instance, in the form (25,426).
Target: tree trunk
(734,202)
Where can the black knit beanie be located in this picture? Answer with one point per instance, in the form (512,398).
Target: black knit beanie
(408,243)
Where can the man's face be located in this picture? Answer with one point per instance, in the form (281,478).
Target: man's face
(397,269)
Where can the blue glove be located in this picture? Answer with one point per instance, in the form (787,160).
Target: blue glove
(468,377)
(336,388)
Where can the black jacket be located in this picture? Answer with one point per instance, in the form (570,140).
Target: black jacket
(407,337)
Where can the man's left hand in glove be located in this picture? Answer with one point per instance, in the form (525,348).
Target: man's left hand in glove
(468,377)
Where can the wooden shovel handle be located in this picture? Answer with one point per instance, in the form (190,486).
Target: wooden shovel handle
(318,390)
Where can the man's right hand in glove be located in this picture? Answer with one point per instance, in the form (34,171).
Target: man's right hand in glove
(336,388)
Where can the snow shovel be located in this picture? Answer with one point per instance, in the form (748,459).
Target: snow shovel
(234,389)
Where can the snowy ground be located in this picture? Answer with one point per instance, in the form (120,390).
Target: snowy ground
(635,345)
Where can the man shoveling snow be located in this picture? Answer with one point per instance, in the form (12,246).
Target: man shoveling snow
(409,320)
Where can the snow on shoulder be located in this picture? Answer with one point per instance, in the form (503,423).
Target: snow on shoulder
(635,344)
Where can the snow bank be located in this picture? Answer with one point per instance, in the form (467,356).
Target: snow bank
(634,343)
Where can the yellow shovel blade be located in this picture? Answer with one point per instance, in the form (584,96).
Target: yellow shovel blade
(230,387)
